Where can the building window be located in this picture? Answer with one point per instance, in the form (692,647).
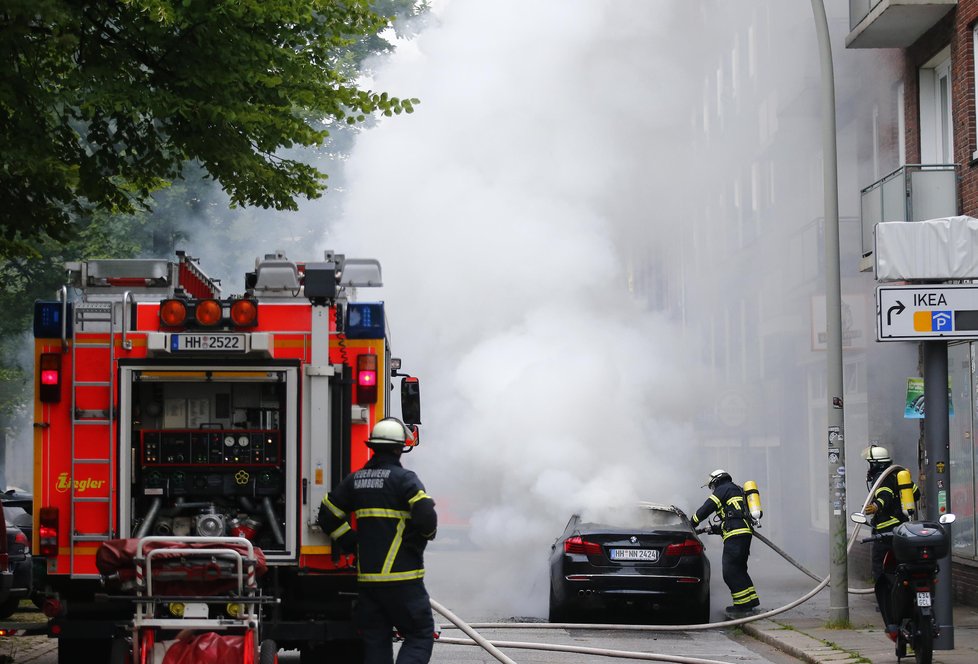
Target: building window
(901,125)
(720,93)
(735,66)
(751,53)
(876,142)
(936,135)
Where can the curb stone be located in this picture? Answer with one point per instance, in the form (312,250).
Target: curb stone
(798,644)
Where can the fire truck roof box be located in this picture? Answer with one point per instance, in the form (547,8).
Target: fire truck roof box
(360,272)
(276,273)
(939,249)
(142,268)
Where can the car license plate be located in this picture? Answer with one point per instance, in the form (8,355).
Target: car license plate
(923,599)
(234,343)
(650,555)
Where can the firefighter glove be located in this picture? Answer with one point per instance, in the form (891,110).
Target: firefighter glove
(870,509)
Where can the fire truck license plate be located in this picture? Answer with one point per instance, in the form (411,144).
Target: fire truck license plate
(635,554)
(923,599)
(223,342)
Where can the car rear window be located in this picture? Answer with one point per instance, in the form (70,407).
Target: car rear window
(640,518)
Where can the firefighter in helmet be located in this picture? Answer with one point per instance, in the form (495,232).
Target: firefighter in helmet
(395,520)
(886,513)
(729,502)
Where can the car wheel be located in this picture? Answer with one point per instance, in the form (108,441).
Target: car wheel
(557,613)
(268,652)
(9,607)
(72,651)
(120,653)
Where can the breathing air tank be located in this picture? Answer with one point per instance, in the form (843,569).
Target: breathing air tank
(753,499)
(905,486)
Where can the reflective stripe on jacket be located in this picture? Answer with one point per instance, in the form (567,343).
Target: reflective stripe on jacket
(729,501)
(394,518)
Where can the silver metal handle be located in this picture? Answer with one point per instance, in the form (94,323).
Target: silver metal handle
(126,297)
(63,296)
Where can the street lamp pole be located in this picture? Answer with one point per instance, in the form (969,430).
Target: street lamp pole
(839,593)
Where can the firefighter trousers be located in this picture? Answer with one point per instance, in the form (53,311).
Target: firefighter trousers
(385,607)
(736,551)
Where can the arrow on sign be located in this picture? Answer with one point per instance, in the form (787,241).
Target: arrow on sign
(889,313)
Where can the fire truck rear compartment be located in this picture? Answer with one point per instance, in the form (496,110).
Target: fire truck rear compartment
(209,455)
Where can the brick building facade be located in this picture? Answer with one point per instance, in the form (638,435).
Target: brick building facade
(938,125)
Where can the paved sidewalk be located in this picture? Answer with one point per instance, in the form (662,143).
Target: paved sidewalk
(803,634)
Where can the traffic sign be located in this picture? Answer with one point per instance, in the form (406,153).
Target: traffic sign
(911,313)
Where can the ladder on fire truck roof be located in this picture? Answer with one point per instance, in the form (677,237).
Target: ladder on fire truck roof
(109,288)
(92,431)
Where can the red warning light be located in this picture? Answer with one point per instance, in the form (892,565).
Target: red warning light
(366,379)
(50,376)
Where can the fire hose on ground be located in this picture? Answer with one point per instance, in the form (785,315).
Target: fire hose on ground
(492,647)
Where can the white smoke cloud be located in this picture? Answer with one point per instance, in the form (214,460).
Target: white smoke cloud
(498,210)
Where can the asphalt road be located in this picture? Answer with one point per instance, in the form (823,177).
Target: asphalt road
(479,588)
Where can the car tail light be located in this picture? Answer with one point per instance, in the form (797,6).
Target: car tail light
(50,369)
(48,531)
(173,313)
(366,379)
(690,547)
(244,313)
(577,545)
(208,313)
(21,538)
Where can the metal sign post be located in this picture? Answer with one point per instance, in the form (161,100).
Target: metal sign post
(936,445)
(932,314)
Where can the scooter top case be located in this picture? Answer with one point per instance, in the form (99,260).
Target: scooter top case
(919,541)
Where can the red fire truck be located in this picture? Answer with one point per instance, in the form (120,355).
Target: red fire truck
(162,408)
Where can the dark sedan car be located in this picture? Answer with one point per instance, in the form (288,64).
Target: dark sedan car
(647,559)
(19,566)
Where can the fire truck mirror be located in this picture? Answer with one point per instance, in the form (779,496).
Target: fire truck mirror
(411,400)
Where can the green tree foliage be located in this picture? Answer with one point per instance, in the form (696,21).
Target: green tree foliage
(102,102)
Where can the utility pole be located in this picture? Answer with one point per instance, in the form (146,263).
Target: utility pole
(839,571)
(937,440)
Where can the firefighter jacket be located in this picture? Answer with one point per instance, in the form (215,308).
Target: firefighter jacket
(394,519)
(889,512)
(729,502)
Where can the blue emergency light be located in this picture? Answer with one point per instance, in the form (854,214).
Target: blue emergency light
(47,319)
(365,320)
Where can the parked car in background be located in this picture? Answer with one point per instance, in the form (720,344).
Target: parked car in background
(22,517)
(644,561)
(17,582)
(19,498)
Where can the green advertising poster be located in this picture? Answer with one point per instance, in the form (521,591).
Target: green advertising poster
(914,409)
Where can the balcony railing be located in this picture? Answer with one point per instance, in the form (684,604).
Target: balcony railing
(893,23)
(915,192)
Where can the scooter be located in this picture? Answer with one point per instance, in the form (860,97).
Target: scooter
(905,591)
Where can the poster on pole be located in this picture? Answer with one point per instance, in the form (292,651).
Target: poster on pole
(914,407)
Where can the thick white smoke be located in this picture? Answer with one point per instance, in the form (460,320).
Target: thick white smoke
(499,210)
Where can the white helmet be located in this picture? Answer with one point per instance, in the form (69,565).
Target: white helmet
(388,434)
(877,454)
(716,476)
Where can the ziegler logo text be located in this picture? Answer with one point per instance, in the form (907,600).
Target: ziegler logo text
(64,483)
